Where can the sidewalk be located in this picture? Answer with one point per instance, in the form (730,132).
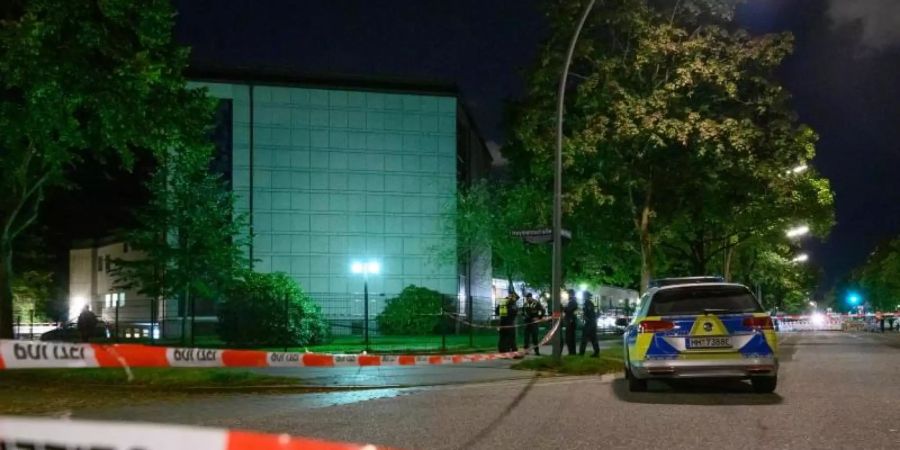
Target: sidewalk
(409,376)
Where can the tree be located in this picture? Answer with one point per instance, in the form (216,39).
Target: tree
(417,310)
(784,284)
(675,125)
(270,309)
(33,292)
(879,277)
(190,238)
(83,77)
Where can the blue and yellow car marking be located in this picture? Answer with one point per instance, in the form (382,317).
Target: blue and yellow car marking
(656,345)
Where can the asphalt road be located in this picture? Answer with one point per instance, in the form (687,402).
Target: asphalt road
(835,391)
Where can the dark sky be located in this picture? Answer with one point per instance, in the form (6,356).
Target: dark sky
(844,74)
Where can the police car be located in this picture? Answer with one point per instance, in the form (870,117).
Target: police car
(700,327)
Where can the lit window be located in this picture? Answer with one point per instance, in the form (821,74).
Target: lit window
(108,300)
(121,299)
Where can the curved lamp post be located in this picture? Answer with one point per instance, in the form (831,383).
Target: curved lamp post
(556,283)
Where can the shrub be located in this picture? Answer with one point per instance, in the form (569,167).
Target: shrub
(253,313)
(417,310)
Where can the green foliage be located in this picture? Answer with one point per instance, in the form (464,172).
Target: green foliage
(270,309)
(416,311)
(678,136)
(191,241)
(879,277)
(33,291)
(85,77)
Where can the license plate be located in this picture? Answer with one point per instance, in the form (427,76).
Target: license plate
(709,342)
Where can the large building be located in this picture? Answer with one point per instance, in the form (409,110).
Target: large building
(335,170)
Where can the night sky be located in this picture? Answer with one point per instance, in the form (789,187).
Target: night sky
(844,74)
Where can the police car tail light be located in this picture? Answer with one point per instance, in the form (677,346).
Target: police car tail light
(759,323)
(654,326)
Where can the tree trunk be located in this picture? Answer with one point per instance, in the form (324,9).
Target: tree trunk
(646,249)
(729,256)
(6,295)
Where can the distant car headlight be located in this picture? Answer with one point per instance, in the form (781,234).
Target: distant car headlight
(606,322)
(817,320)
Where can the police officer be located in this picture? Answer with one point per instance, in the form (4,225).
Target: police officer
(507,311)
(589,331)
(533,312)
(570,321)
(86,324)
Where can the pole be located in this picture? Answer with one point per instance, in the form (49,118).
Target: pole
(31,324)
(443,328)
(193,319)
(19,326)
(117,318)
(366,311)
(287,324)
(556,285)
(469,307)
(152,318)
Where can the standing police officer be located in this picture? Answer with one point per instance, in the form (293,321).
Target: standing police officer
(533,312)
(507,311)
(589,331)
(570,321)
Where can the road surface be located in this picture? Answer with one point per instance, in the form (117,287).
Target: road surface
(835,390)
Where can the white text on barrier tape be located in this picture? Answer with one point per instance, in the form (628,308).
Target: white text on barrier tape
(18,433)
(345,361)
(281,359)
(34,354)
(194,357)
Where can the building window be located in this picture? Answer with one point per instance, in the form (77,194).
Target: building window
(99,264)
(110,300)
(108,265)
(125,247)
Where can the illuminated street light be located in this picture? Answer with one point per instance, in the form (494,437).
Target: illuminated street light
(801,258)
(797,231)
(366,268)
(799,169)
(813,304)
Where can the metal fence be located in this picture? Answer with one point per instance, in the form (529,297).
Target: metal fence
(456,325)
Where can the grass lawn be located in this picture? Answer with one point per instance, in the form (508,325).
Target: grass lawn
(54,391)
(401,344)
(610,361)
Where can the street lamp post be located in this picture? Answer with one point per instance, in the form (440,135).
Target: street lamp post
(556,281)
(371,267)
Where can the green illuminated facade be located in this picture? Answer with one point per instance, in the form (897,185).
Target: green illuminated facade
(333,172)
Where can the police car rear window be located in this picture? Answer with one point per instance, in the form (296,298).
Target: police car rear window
(703,299)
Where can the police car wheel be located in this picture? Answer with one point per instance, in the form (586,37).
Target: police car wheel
(764,385)
(636,384)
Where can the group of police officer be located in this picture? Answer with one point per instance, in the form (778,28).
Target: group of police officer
(534,312)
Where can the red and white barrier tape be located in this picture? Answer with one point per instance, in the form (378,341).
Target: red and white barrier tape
(458,318)
(36,354)
(31,433)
